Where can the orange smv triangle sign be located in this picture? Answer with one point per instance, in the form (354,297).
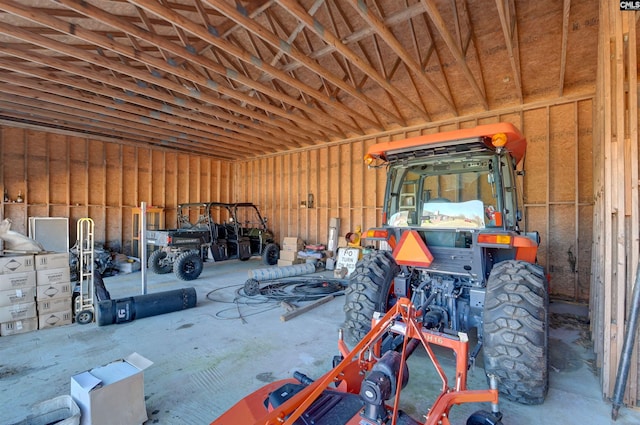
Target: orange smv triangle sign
(412,251)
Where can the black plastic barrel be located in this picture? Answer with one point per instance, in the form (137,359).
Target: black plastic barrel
(137,307)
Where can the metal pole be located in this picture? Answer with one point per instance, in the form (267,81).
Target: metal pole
(627,349)
(143,245)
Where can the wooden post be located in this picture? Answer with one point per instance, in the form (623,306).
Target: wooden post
(616,244)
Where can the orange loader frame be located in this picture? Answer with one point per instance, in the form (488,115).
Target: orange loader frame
(348,375)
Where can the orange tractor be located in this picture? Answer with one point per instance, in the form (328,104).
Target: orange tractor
(451,242)
(450,259)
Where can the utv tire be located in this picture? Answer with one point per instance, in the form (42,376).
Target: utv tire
(516,338)
(270,254)
(369,290)
(188,265)
(155,262)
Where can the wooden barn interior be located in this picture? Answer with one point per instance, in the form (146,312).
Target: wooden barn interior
(107,104)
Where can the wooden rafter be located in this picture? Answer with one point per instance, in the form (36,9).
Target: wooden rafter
(230,48)
(18,86)
(441,26)
(273,75)
(301,14)
(253,27)
(508,21)
(100,123)
(409,61)
(566,10)
(120,89)
(167,67)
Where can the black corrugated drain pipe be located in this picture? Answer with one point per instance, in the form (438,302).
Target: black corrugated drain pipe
(127,309)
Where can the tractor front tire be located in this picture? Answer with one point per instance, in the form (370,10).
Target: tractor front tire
(270,254)
(188,265)
(516,338)
(370,289)
(156,263)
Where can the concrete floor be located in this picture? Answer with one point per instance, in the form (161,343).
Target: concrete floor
(207,358)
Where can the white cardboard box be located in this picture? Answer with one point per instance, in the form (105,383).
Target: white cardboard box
(16,263)
(17,280)
(18,295)
(56,318)
(54,305)
(53,291)
(18,326)
(51,260)
(53,276)
(19,311)
(112,394)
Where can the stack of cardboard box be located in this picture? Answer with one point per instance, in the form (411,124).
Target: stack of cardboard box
(53,290)
(289,252)
(17,295)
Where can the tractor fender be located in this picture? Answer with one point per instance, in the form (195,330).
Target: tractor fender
(526,248)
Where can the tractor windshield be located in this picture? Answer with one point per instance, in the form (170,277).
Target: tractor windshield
(451,192)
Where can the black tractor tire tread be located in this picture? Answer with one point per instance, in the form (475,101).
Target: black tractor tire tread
(182,265)
(270,254)
(516,346)
(367,292)
(154,262)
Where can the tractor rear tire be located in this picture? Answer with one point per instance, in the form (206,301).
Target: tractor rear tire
(369,290)
(156,264)
(188,265)
(516,333)
(270,254)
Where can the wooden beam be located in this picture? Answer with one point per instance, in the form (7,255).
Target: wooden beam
(129,87)
(441,26)
(202,33)
(153,130)
(388,37)
(508,21)
(201,92)
(253,27)
(115,101)
(301,14)
(566,9)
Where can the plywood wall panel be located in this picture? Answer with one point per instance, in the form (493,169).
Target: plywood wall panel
(98,215)
(144,177)
(357,175)
(37,187)
(129,176)
(78,169)
(114,174)
(562,153)
(17,213)
(226,193)
(536,130)
(585,151)
(182,190)
(97,173)
(13,164)
(171,184)
(58,169)
(193,177)
(562,264)
(76,177)
(113,229)
(205,181)
(294,200)
(158,179)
